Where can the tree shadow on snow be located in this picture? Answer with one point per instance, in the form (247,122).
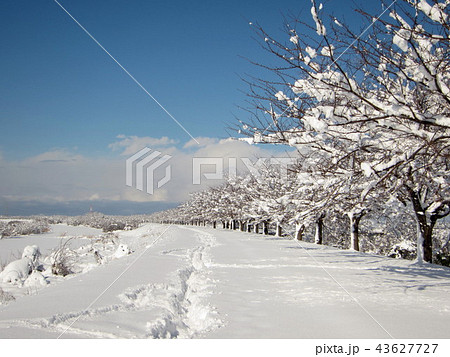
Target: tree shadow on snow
(430,271)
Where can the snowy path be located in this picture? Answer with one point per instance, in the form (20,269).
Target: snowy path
(277,288)
(200,282)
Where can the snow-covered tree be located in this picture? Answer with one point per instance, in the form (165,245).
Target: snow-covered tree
(376,105)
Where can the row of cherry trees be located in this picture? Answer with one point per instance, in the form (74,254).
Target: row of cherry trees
(276,203)
(368,111)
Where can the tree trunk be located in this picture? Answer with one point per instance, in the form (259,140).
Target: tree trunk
(242,226)
(279,230)
(299,229)
(249,227)
(256,228)
(318,237)
(355,218)
(265,228)
(420,240)
(424,228)
(214,224)
(424,240)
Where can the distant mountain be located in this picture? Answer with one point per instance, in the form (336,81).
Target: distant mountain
(73,208)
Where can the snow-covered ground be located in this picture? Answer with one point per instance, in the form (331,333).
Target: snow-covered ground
(195,282)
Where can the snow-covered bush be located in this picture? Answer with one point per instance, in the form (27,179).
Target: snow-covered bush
(17,271)
(442,257)
(122,251)
(33,253)
(111,227)
(108,238)
(23,227)
(405,250)
(105,222)
(35,280)
(63,259)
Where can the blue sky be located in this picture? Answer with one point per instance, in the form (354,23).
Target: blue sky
(59,90)
(61,93)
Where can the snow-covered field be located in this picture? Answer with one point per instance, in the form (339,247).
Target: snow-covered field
(12,247)
(195,282)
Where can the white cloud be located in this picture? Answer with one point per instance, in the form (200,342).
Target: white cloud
(54,156)
(200,142)
(60,175)
(132,144)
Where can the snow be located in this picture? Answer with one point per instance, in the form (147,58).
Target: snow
(7,220)
(315,123)
(366,168)
(33,253)
(281,289)
(336,21)
(434,12)
(400,41)
(403,35)
(320,28)
(16,271)
(311,51)
(10,247)
(36,280)
(327,51)
(281,96)
(250,141)
(122,251)
(186,282)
